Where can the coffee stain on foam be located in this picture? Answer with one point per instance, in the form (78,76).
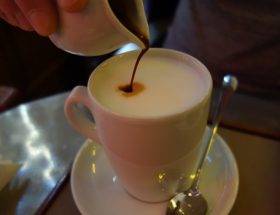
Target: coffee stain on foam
(136,89)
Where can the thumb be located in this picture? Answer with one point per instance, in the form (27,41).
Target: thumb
(72,5)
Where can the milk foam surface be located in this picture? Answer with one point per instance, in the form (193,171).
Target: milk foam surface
(171,84)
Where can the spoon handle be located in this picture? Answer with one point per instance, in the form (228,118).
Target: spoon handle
(230,84)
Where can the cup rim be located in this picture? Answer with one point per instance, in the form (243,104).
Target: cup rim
(204,98)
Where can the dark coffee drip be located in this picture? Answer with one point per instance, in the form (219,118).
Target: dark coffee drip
(122,9)
(143,51)
(129,88)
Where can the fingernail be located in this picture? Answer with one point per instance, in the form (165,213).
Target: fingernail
(73,5)
(41,22)
(68,2)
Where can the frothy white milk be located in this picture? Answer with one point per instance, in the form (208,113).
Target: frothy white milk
(171,82)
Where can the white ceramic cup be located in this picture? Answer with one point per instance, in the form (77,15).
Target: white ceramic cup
(97,30)
(152,138)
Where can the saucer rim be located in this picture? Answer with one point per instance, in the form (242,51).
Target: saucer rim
(227,151)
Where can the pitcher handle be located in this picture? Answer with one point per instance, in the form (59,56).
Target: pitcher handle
(77,118)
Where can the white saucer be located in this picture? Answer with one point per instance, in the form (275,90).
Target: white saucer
(97,192)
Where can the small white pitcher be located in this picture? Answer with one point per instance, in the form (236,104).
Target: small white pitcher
(97,30)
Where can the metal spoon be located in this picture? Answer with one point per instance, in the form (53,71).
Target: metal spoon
(191,201)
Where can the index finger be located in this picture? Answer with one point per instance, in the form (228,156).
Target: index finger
(42,15)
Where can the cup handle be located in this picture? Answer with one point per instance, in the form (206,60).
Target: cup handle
(77,118)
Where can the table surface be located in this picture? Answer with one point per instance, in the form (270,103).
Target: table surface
(38,136)
(258,163)
(257,158)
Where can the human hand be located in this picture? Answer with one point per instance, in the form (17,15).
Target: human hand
(40,16)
